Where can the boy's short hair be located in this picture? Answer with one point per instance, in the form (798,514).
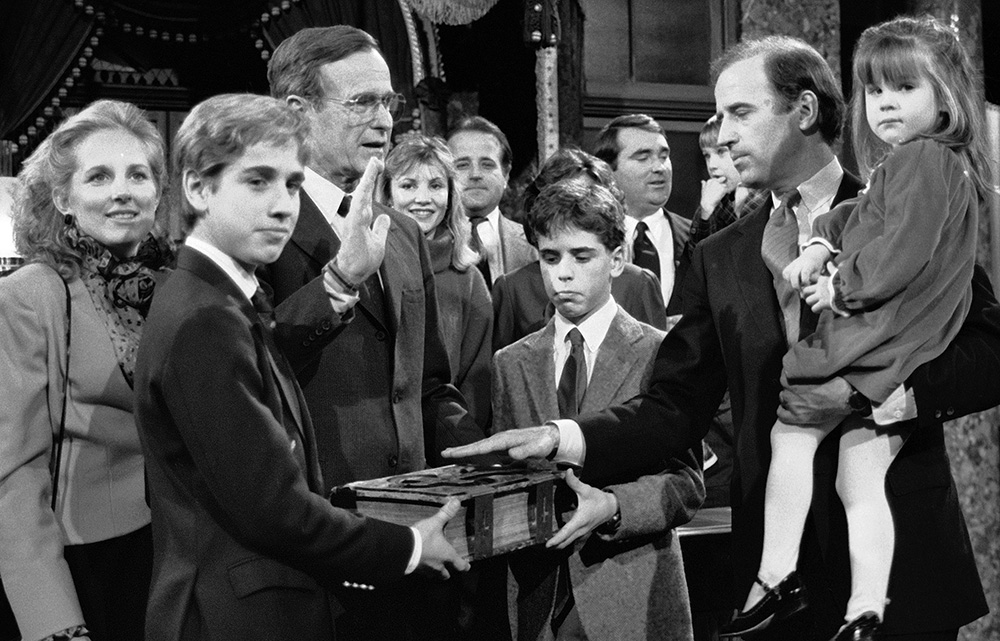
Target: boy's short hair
(579,203)
(709,136)
(566,163)
(220,129)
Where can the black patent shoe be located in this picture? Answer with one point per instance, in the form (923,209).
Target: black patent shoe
(864,628)
(780,602)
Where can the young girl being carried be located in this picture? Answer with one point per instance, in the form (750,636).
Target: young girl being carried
(898,292)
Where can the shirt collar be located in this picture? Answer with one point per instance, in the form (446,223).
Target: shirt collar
(594,329)
(246,281)
(494,218)
(654,222)
(820,188)
(324,193)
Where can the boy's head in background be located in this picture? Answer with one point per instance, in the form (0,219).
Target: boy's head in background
(579,228)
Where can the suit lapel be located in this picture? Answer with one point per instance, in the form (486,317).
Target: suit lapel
(751,276)
(313,235)
(201,266)
(615,360)
(539,367)
(392,264)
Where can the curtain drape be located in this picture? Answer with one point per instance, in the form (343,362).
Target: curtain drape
(39,42)
(453,12)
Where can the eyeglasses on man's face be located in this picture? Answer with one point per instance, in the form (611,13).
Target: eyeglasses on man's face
(367,103)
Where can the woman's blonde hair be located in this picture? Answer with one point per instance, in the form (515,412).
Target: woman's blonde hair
(416,150)
(903,50)
(39,227)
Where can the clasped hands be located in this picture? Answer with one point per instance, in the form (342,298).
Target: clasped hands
(805,274)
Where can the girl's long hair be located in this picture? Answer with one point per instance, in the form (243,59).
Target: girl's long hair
(905,49)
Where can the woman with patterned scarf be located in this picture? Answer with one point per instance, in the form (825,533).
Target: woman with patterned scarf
(75,543)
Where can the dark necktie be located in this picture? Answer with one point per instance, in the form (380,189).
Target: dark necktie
(265,310)
(644,253)
(573,381)
(779,247)
(345,205)
(477,244)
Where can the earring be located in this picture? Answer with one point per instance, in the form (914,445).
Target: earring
(68,219)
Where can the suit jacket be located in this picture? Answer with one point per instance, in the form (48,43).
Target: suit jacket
(465,314)
(642,592)
(380,393)
(515,250)
(732,332)
(245,542)
(521,306)
(101,486)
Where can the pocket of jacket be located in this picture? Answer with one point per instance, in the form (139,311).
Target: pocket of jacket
(259,573)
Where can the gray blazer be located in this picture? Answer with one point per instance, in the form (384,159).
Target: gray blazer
(101,487)
(642,593)
(515,250)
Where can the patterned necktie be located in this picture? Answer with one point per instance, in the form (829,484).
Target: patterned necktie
(479,246)
(573,381)
(644,253)
(779,247)
(265,310)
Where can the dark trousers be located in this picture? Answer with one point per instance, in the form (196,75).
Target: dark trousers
(112,583)
(471,606)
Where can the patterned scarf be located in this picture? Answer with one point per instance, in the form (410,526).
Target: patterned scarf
(121,290)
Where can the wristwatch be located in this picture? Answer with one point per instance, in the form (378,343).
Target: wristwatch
(859,403)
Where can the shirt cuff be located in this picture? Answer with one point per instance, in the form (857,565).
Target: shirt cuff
(819,240)
(833,292)
(341,299)
(418,549)
(900,406)
(572,448)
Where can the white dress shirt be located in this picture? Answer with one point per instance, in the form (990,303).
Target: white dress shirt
(594,330)
(489,238)
(661,234)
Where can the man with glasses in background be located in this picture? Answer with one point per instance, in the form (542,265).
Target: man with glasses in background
(379,394)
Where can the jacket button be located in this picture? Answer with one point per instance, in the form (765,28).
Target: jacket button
(326,325)
(937,414)
(951,411)
(380,335)
(396,397)
(392,460)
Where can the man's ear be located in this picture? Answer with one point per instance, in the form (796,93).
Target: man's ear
(617,261)
(196,190)
(297,102)
(808,110)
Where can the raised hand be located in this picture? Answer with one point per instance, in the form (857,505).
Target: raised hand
(593,507)
(362,243)
(530,442)
(438,555)
(712,192)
